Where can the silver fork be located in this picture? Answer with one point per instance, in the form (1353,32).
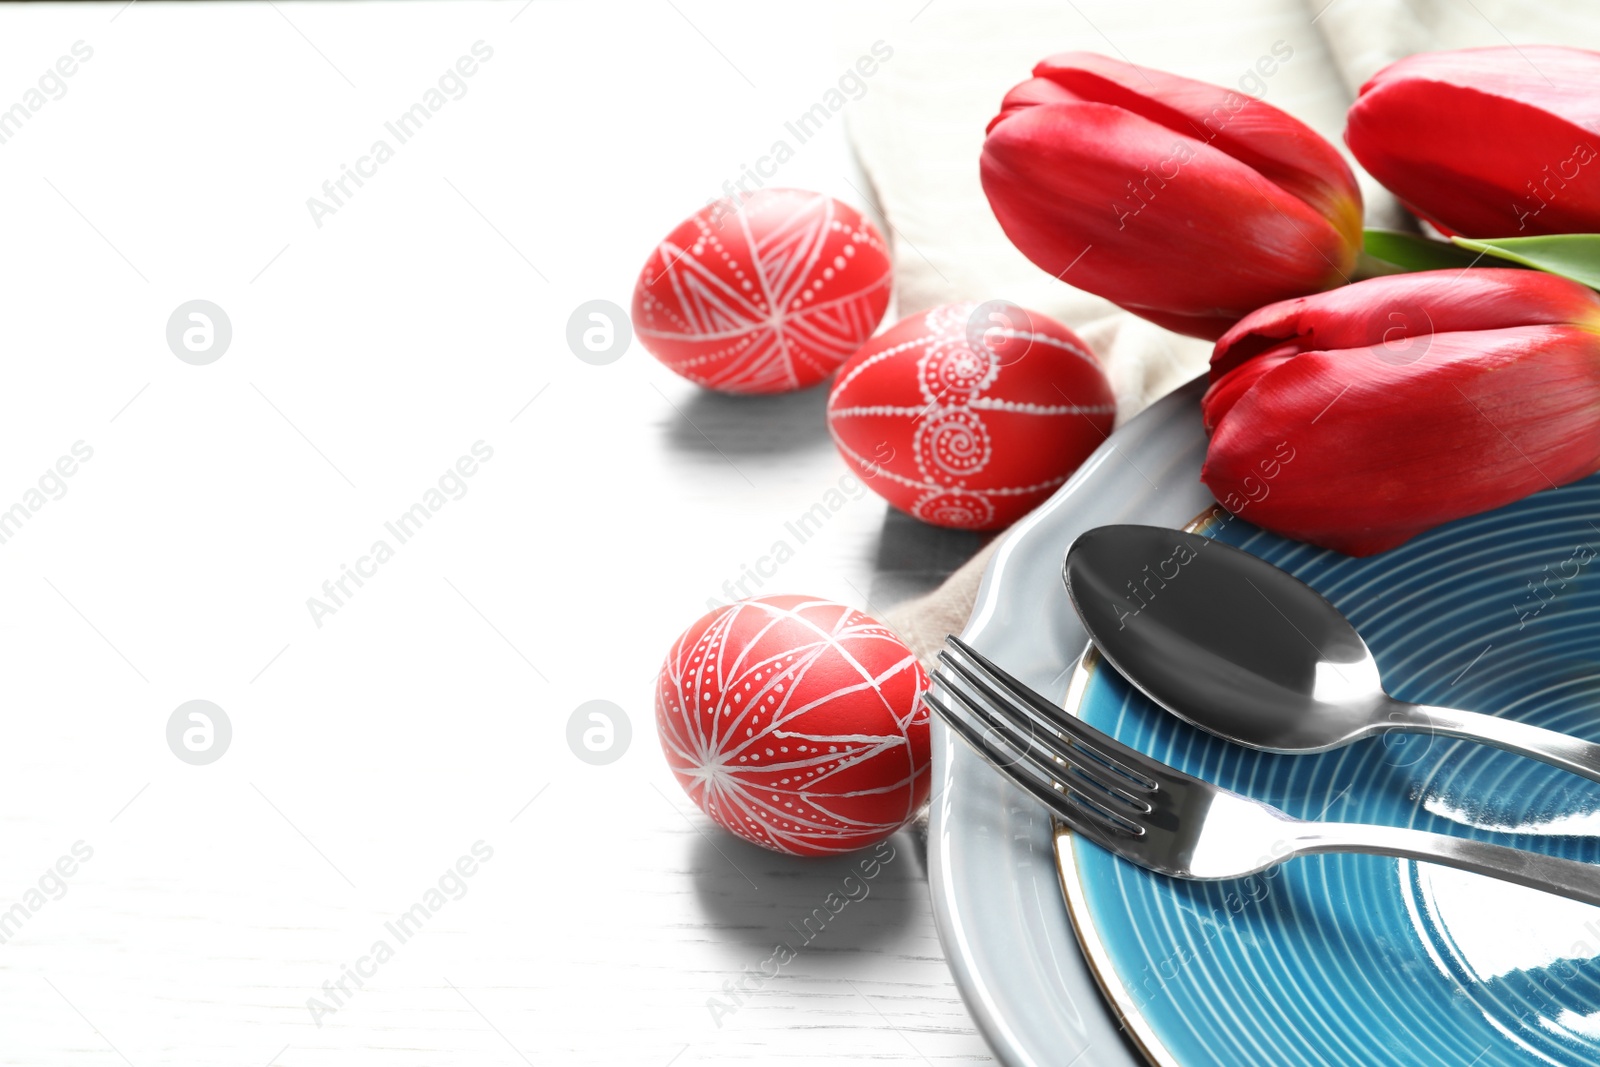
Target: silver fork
(1160,818)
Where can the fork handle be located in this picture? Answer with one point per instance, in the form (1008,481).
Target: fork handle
(1552,874)
(1561,750)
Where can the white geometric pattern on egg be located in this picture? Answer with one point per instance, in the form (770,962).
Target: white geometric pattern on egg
(769,298)
(952,442)
(813,745)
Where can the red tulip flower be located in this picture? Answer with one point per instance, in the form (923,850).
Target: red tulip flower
(1487,142)
(1358,418)
(1186,203)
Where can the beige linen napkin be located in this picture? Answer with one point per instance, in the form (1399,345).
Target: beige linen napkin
(1366,35)
(920,129)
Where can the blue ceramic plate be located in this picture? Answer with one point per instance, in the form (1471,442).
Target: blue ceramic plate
(1345,960)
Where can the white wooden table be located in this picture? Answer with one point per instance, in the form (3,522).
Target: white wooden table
(231,913)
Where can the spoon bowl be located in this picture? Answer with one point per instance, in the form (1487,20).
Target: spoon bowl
(1246,651)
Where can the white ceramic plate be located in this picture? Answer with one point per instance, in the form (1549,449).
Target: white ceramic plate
(996,889)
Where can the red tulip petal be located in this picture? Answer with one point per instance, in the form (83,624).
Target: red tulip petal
(1399,310)
(1492,142)
(1380,451)
(1032,93)
(1162,223)
(1276,145)
(1226,390)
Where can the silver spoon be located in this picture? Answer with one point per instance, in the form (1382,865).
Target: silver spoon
(1239,648)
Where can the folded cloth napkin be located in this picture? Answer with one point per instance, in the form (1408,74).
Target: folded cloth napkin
(918,134)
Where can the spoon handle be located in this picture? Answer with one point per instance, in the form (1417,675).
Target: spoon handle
(1561,750)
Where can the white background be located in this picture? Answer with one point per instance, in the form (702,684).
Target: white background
(367,356)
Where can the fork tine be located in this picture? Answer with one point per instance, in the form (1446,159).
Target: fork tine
(1080,817)
(1005,744)
(1073,786)
(1001,713)
(1107,750)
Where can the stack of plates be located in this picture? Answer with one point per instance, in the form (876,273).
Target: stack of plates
(1068,955)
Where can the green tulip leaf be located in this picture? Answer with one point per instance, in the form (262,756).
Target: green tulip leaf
(1571,255)
(1411,252)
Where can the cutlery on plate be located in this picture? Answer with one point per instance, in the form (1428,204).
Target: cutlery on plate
(1170,822)
(1232,644)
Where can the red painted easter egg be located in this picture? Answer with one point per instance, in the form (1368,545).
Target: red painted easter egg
(970,415)
(796,723)
(763,295)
